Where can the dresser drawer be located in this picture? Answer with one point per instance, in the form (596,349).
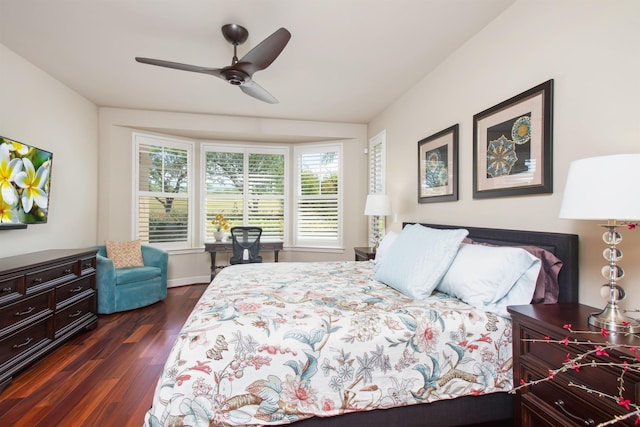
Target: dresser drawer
(11,288)
(549,353)
(25,310)
(25,341)
(537,413)
(53,274)
(560,401)
(73,290)
(87,265)
(76,312)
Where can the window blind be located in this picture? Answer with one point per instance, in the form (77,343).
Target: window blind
(377,179)
(247,186)
(162,208)
(318,209)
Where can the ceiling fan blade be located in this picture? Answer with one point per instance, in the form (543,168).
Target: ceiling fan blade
(261,56)
(179,66)
(252,88)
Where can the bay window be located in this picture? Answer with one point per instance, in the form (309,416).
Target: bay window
(248,185)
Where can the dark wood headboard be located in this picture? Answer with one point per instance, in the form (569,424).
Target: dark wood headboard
(564,246)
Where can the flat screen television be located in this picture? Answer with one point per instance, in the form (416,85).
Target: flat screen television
(25,179)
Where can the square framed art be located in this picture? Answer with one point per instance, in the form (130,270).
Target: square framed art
(438,167)
(512,145)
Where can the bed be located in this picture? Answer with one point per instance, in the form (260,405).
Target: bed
(326,344)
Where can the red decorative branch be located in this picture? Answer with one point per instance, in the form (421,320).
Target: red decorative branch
(578,361)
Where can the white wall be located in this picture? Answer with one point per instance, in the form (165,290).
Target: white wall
(115,148)
(589,47)
(38,110)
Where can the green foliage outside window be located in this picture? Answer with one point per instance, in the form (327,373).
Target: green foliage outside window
(164,171)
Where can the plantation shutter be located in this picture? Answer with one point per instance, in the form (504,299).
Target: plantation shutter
(162,205)
(247,186)
(318,207)
(224,189)
(376,170)
(266,194)
(377,146)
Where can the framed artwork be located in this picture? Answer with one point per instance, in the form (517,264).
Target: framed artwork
(438,167)
(512,145)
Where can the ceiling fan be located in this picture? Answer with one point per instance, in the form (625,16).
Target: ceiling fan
(240,72)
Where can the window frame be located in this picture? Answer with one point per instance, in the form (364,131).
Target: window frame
(164,142)
(377,181)
(196,229)
(246,150)
(314,148)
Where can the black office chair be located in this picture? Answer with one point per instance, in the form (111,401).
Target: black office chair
(246,245)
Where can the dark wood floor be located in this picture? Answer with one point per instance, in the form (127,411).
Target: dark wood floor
(105,377)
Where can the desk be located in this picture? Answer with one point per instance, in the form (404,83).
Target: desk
(216,247)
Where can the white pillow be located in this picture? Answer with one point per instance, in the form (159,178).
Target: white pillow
(383,247)
(418,259)
(491,277)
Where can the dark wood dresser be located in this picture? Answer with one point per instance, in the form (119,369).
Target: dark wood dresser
(45,298)
(556,402)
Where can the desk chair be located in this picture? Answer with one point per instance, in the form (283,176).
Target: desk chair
(246,245)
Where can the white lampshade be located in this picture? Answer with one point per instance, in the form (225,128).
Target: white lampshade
(377,204)
(603,188)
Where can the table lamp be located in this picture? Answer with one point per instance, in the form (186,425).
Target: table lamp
(606,188)
(377,206)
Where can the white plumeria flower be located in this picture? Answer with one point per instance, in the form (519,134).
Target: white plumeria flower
(19,148)
(32,183)
(8,171)
(8,213)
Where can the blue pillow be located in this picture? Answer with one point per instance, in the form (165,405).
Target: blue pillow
(384,246)
(418,259)
(491,277)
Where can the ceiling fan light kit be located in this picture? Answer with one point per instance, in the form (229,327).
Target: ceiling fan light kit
(240,72)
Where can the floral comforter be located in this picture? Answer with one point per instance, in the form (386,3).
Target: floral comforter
(274,343)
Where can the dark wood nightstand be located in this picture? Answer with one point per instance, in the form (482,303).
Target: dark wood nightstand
(555,402)
(364,253)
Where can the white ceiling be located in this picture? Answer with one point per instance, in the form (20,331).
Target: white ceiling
(346,62)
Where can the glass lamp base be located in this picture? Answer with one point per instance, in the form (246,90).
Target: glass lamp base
(612,319)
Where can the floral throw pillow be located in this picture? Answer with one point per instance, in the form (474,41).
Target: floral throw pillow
(125,254)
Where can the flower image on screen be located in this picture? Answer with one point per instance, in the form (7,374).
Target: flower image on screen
(25,177)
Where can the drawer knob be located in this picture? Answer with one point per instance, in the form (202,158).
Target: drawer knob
(27,311)
(37,280)
(6,290)
(25,343)
(588,422)
(68,271)
(76,314)
(75,290)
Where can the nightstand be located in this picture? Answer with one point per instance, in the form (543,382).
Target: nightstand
(555,402)
(364,253)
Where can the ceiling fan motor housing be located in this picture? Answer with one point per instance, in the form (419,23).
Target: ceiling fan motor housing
(235,77)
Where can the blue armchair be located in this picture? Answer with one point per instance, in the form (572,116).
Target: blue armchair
(121,289)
